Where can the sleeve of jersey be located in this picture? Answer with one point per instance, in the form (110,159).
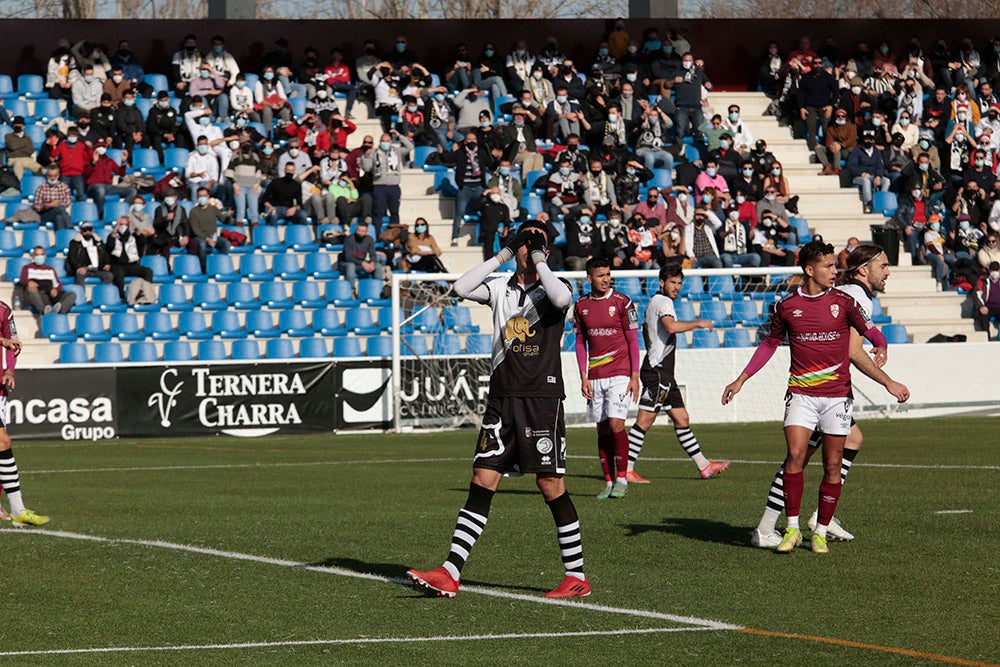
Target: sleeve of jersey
(768,346)
(630,325)
(556,290)
(470,285)
(860,320)
(9,332)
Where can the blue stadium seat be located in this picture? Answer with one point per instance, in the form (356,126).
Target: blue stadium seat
(35,237)
(379,346)
(207,296)
(307,295)
(125,327)
(192,325)
(703,338)
(684,310)
(19,107)
(300,238)
(157,82)
(47,110)
(293,323)
(427,321)
(385,319)
(723,287)
(326,322)
(106,299)
(159,326)
(286,267)
(299,105)
(736,338)
(265,237)
(444,184)
(459,320)
(175,159)
(143,352)
(896,334)
(37,135)
(630,286)
(55,327)
(420,154)
(313,348)
(275,295)
(241,297)
(63,237)
(532,204)
(319,266)
(226,324)
(447,343)
(246,349)
(359,321)
(254,267)
(179,350)
(260,323)
(14,265)
(801,226)
(158,265)
(108,353)
(7,87)
(478,344)
(90,327)
(81,305)
(211,350)
(662,178)
(144,105)
(530,178)
(370,292)
(885,203)
(877,315)
(745,312)
(415,345)
(221,268)
(147,160)
(716,312)
(116,209)
(681,342)
(174,298)
(73,353)
(8,244)
(279,348)
(338,292)
(187,269)
(346,347)
(694,288)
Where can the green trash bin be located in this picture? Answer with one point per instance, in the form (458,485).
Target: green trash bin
(887,237)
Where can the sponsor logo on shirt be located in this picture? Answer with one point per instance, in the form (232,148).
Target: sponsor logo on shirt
(516,335)
(818,336)
(796,313)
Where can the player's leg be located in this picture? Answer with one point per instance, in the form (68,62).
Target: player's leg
(651,397)
(605,451)
(494,454)
(797,441)
(567,522)
(11,483)
(616,408)
(855,439)
(682,427)
(835,422)
(766,534)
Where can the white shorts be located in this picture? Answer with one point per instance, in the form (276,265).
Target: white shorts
(611,399)
(828,415)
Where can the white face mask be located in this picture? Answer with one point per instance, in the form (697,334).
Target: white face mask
(856,90)
(117,78)
(536,76)
(734,215)
(682,196)
(687,64)
(100,150)
(293,152)
(234,144)
(994,275)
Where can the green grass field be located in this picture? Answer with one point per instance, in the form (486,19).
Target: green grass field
(255,551)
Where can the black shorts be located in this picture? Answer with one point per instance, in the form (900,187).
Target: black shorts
(816,439)
(659,391)
(522,435)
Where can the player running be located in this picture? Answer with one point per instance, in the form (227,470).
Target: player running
(20,516)
(866,273)
(607,352)
(523,430)
(659,389)
(817,319)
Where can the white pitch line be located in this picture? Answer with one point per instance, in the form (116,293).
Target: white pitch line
(953,512)
(914,466)
(359,640)
(234,555)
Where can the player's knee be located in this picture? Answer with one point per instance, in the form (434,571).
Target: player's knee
(854,440)
(4,440)
(551,487)
(681,420)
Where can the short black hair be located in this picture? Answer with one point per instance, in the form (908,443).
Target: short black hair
(597,263)
(671,270)
(811,252)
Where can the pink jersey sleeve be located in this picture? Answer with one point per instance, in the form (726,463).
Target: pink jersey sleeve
(581,344)
(769,345)
(630,325)
(8,330)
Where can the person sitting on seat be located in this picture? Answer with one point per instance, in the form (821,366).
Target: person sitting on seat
(42,288)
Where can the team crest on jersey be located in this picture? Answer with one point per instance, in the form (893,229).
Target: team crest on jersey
(835,310)
(544,445)
(611,311)
(796,313)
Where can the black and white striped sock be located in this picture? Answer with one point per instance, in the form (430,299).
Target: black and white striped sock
(845,465)
(636,438)
(775,503)
(690,445)
(471,522)
(568,530)
(10,482)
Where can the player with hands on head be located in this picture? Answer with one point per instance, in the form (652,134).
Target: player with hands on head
(659,388)
(523,429)
(866,273)
(607,353)
(817,320)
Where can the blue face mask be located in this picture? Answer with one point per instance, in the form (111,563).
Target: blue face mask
(924,167)
(205,74)
(564,171)
(217,48)
(489,53)
(268,75)
(130,102)
(204,120)
(653,44)
(707,199)
(602,52)
(964,225)
(400,47)
(504,171)
(439,97)
(561,99)
(202,201)
(384,145)
(585,219)
(169,201)
(667,49)
(268,150)
(935,226)
(711,171)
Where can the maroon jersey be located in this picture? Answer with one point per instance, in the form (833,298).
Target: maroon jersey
(819,333)
(7,330)
(602,323)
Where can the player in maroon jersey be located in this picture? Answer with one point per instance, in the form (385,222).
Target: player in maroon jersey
(818,320)
(9,479)
(607,352)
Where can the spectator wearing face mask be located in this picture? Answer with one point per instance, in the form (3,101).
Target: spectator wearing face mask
(964,241)
(241,99)
(912,214)
(770,203)
(989,251)
(86,92)
(422,251)
(130,128)
(101,173)
(163,125)
(734,239)
(599,189)
(726,157)
(87,257)
(687,86)
(202,169)
(211,86)
(937,254)
(141,224)
(748,183)
(739,130)
(244,172)
(866,169)
(628,183)
(840,138)
(765,240)
(895,159)
(337,76)
(564,191)
(53,199)
(359,258)
(385,163)
(283,199)
(125,251)
(680,207)
(699,239)
(710,178)
(652,208)
(204,219)
(20,150)
(73,156)
(472,164)
(349,203)
(565,117)
(905,127)
(494,221)
(613,243)
(170,222)
(926,145)
(43,290)
(987,298)
(517,141)
(270,99)
(816,96)
(470,106)
(852,244)
(508,188)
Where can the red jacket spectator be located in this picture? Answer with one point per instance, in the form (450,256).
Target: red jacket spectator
(338,135)
(104,171)
(73,158)
(337,73)
(314,138)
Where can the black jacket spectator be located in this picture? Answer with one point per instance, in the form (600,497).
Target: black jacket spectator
(283,192)
(818,88)
(77,256)
(627,185)
(460,159)
(102,121)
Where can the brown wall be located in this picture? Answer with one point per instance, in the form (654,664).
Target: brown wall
(731,48)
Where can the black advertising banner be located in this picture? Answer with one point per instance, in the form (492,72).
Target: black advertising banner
(444,391)
(67,404)
(232,399)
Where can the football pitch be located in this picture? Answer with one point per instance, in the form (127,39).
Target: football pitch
(293,550)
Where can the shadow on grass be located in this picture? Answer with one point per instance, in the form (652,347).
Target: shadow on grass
(397,573)
(697,529)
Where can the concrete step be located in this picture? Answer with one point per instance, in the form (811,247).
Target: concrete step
(921,332)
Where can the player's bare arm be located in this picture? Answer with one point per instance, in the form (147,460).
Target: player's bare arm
(12,344)
(733,388)
(868,366)
(674,326)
